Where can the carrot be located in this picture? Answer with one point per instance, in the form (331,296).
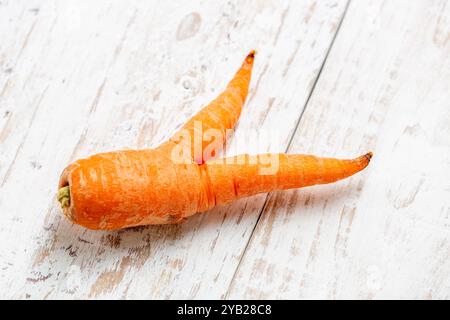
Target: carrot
(128,188)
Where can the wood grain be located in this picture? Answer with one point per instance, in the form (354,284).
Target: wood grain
(79,77)
(386,232)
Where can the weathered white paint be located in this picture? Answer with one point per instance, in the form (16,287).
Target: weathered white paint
(384,233)
(78,77)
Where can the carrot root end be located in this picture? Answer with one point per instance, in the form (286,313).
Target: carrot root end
(63,196)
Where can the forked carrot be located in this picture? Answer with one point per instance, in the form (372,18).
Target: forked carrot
(128,188)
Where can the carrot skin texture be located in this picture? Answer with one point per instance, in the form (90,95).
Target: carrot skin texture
(130,188)
(232,181)
(127,188)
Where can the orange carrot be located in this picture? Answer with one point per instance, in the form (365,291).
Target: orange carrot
(138,187)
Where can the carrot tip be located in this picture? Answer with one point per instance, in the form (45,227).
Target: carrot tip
(368,156)
(251,56)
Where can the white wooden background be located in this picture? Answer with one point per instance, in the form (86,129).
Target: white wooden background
(332,78)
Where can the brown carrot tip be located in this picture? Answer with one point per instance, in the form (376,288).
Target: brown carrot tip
(251,56)
(368,156)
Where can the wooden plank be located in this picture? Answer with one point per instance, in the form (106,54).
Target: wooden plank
(126,74)
(384,233)
(17,26)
